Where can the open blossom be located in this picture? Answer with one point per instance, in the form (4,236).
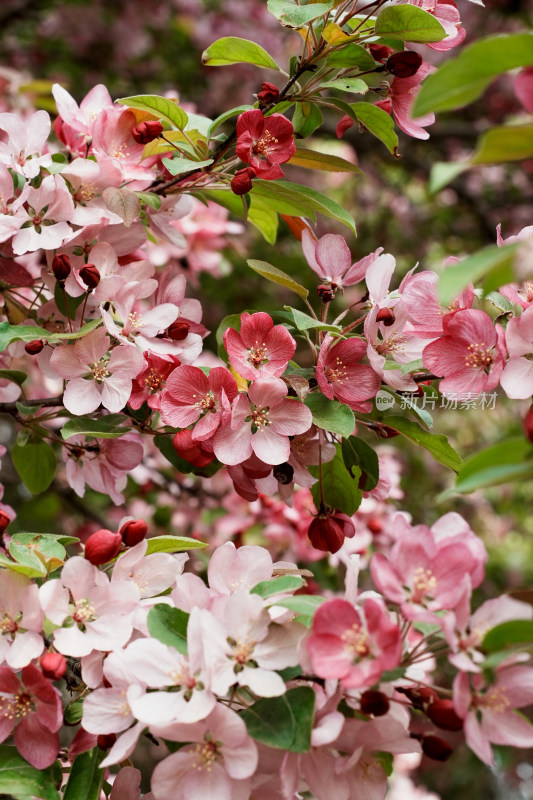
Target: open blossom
(102,465)
(264,142)
(193,397)
(21,620)
(331,259)
(445,11)
(261,349)
(74,125)
(517,376)
(262,423)
(93,376)
(419,297)
(26,140)
(402,95)
(340,375)
(470,356)
(43,220)
(149,384)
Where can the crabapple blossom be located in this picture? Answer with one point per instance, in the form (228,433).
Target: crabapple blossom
(264,142)
(401,97)
(331,259)
(23,150)
(517,375)
(261,349)
(21,619)
(340,375)
(191,397)
(149,384)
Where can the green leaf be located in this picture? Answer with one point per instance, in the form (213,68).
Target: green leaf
(515,631)
(353,85)
(311,159)
(443,173)
(504,143)
(377,121)
(169,625)
(178,165)
(340,489)
(330,415)
(86,777)
(306,119)
(500,301)
(74,712)
(150,199)
(13,375)
(472,269)
(304,605)
(276,275)
(357,453)
(35,463)
(172,544)
(46,544)
(108,427)
(509,460)
(222,118)
(161,107)
(233,50)
(72,303)
(352,55)
(304,322)
(295,16)
(27,333)
(295,200)
(264,218)
(35,570)
(409,23)
(462,80)
(231,321)
(435,443)
(285,722)
(19,779)
(279,585)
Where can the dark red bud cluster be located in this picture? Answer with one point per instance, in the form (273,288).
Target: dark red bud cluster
(379,52)
(374,702)
(442,714)
(34,347)
(283,473)
(90,275)
(405,64)
(386,317)
(105,741)
(4,521)
(61,267)
(53,665)
(147,131)
(329,530)
(191,451)
(241,183)
(268,94)
(102,546)
(133,532)
(326,292)
(179,330)
(436,748)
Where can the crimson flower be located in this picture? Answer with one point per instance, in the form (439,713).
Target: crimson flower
(340,375)
(264,142)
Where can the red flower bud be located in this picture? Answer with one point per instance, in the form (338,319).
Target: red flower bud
(374,525)
(105,741)
(191,451)
(241,182)
(328,531)
(283,473)
(34,347)
(325,292)
(442,714)
(179,330)
(386,316)
(405,64)
(102,546)
(147,131)
(528,424)
(90,275)
(373,702)
(379,52)
(61,267)
(53,665)
(4,521)
(268,94)
(419,697)
(133,532)
(436,748)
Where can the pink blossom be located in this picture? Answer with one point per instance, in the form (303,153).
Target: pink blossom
(340,375)
(523,88)
(445,11)
(93,377)
(517,376)
(112,138)
(419,296)
(264,142)
(26,141)
(193,397)
(353,645)
(470,356)
(153,573)
(43,221)
(231,568)
(390,344)
(21,620)
(34,706)
(331,259)
(261,349)
(261,422)
(102,465)
(149,384)
(74,125)
(402,95)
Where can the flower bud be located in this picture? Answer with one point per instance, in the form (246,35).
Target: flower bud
(375,703)
(380,52)
(420,697)
(436,748)
(34,347)
(241,183)
(133,532)
(374,525)
(102,546)
(53,665)
(147,131)
(268,94)
(105,741)
(325,292)
(528,424)
(179,330)
(61,267)
(191,451)
(386,316)
(328,531)
(90,275)
(5,519)
(283,473)
(442,714)
(405,64)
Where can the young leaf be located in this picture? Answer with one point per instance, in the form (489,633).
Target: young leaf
(178,165)
(471,269)
(353,85)
(264,218)
(306,119)
(304,322)
(233,50)
(222,118)
(504,143)
(295,16)
(169,625)
(161,107)
(509,460)
(13,375)
(301,200)
(515,631)
(409,23)
(339,487)
(86,777)
(378,122)
(279,585)
(330,415)
(36,570)
(311,159)
(277,276)
(109,427)
(435,443)
(35,463)
(172,544)
(304,605)
(352,56)
(285,722)
(19,779)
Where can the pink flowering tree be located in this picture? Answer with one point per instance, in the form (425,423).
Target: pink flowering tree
(205,630)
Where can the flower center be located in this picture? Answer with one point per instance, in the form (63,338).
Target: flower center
(135,320)
(84,611)
(153,380)
(207,403)
(356,641)
(206,752)
(99,370)
(263,145)
(390,345)
(260,417)
(243,650)
(16,707)
(478,356)
(496,700)
(337,373)
(424,583)
(7,623)
(258,355)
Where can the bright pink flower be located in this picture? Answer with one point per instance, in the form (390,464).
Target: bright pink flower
(402,95)
(113,138)
(34,706)
(93,376)
(389,342)
(445,11)
(262,423)
(74,125)
(523,88)
(517,376)
(419,296)
(340,375)
(191,394)
(149,384)
(261,349)
(470,356)
(331,259)
(353,645)
(264,142)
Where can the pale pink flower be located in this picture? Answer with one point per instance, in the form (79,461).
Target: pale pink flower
(88,180)
(152,574)
(262,423)
(74,125)
(26,141)
(93,377)
(517,376)
(261,349)
(43,220)
(419,296)
(103,465)
(402,95)
(21,620)
(331,259)
(171,289)
(341,376)
(390,344)
(231,568)
(112,138)
(191,396)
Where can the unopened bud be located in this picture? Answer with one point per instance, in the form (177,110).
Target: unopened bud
(190,450)
(374,525)
(179,330)
(34,347)
(405,64)
(283,473)
(328,531)
(53,665)
(102,546)
(374,702)
(241,183)
(147,131)
(528,424)
(61,267)
(268,94)
(325,292)
(380,52)
(90,275)
(133,532)
(420,697)
(105,741)
(436,748)
(5,519)
(386,317)
(442,714)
